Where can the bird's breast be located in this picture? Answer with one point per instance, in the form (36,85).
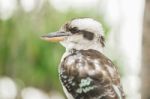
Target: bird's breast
(83,73)
(78,64)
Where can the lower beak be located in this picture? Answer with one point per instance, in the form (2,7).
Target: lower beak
(55,37)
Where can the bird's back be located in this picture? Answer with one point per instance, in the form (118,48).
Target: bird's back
(88,74)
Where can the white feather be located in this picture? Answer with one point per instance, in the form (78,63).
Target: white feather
(117,91)
(88,24)
(78,42)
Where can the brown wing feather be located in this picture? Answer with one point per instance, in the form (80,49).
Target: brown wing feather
(88,74)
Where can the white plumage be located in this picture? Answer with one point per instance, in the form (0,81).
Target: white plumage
(85,72)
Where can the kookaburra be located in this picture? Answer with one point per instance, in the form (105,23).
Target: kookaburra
(85,72)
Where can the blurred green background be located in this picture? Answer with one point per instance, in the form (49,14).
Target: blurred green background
(24,56)
(29,65)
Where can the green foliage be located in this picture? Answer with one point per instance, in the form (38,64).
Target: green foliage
(24,56)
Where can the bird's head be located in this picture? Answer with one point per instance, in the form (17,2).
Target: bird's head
(81,33)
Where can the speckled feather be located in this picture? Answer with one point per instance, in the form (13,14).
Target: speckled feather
(85,73)
(88,74)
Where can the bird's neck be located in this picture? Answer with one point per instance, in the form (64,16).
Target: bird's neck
(86,46)
(94,46)
(91,45)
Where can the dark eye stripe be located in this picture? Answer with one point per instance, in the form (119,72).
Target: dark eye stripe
(87,35)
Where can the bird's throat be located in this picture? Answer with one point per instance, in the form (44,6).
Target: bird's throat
(96,47)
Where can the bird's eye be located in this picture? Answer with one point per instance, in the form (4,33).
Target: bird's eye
(74,30)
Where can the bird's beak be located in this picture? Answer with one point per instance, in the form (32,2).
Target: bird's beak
(55,36)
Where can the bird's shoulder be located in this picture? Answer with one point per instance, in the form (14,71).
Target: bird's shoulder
(89,62)
(89,73)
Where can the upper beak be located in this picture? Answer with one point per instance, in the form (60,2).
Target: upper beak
(55,36)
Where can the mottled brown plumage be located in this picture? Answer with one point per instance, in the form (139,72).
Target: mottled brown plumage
(82,65)
(85,72)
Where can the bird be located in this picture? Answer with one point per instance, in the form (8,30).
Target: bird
(84,71)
